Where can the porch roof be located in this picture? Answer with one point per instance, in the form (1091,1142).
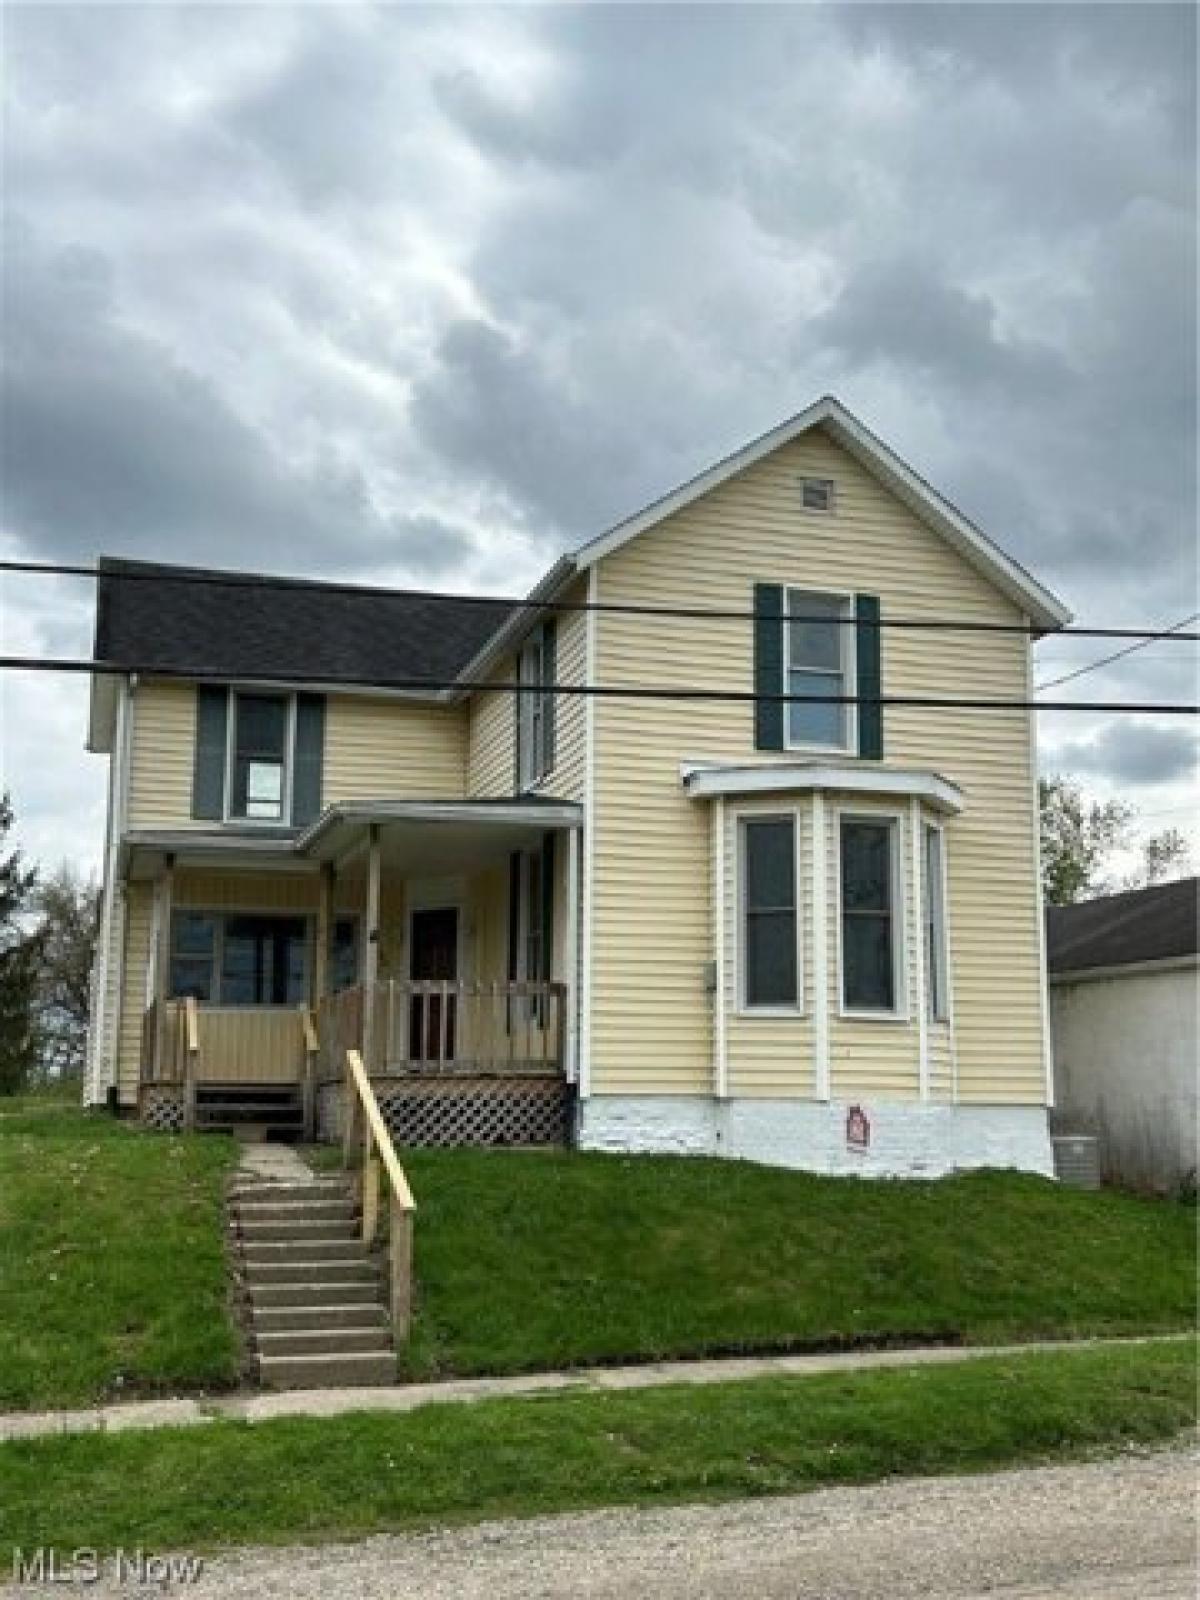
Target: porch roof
(436,835)
(432,835)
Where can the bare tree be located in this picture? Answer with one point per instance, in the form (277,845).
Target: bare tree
(69,905)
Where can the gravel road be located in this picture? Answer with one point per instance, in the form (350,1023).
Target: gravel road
(1114,1530)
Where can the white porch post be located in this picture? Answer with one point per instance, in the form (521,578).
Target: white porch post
(371,945)
(571,955)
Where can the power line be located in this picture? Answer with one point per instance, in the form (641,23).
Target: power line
(630,691)
(538,607)
(1117,655)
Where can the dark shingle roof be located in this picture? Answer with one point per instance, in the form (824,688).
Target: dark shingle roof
(151,616)
(1117,930)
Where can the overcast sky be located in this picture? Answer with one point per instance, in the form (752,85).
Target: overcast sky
(425,296)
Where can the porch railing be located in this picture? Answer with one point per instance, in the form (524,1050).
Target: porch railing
(436,1026)
(184,1043)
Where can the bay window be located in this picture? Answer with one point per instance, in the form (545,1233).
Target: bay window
(770,961)
(934,914)
(870,940)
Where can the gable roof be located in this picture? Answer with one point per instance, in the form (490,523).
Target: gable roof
(1038,604)
(1118,930)
(246,625)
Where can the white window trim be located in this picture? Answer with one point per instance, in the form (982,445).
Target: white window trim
(284,820)
(848,637)
(221,913)
(740,819)
(940,1018)
(901,1011)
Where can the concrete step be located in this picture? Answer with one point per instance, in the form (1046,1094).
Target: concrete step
(331,1210)
(324,1341)
(252,1191)
(360,1270)
(308,1318)
(311,1249)
(352,1370)
(283,1231)
(275,1294)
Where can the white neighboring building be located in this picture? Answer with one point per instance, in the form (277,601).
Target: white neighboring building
(1124,1013)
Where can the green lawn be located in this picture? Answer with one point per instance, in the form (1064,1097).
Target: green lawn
(528,1260)
(112,1259)
(306,1480)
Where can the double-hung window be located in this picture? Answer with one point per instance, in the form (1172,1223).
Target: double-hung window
(239,959)
(535,707)
(933,904)
(260,748)
(343,954)
(770,959)
(818,661)
(869,905)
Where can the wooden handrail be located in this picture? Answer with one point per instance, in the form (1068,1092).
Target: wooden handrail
(191,1057)
(379,1155)
(308,1089)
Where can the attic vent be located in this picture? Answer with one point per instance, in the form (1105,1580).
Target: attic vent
(816,494)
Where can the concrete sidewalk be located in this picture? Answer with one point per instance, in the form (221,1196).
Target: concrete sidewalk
(260,1407)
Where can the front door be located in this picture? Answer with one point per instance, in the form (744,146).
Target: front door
(433,958)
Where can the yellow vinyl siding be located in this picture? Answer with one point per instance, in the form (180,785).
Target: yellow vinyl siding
(652,931)
(162,743)
(374,748)
(139,910)
(491,758)
(377,749)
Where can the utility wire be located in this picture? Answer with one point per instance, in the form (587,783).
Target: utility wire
(1117,655)
(537,607)
(622,691)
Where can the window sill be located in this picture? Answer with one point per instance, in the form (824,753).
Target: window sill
(873,1016)
(772,1013)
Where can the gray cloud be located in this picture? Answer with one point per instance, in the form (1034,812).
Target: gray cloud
(427,293)
(1129,752)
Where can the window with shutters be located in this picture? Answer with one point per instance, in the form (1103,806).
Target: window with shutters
(871,897)
(535,708)
(818,663)
(261,738)
(769,931)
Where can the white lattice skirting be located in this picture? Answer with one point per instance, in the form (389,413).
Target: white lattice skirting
(461,1111)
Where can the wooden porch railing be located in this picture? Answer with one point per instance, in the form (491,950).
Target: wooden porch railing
(364,1121)
(436,1026)
(185,1043)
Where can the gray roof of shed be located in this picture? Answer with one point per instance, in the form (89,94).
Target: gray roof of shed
(151,616)
(1117,930)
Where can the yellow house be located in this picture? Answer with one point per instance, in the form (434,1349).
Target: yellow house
(793,918)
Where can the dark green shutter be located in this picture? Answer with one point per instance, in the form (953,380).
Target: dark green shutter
(308,759)
(547,971)
(768,665)
(208,768)
(550,702)
(869,677)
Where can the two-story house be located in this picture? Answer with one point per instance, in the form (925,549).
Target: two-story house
(780,925)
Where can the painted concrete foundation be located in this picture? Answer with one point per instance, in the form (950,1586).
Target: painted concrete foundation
(909,1140)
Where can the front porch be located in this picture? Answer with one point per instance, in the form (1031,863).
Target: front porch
(436,941)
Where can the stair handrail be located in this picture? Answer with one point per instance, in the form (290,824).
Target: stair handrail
(379,1156)
(191,1059)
